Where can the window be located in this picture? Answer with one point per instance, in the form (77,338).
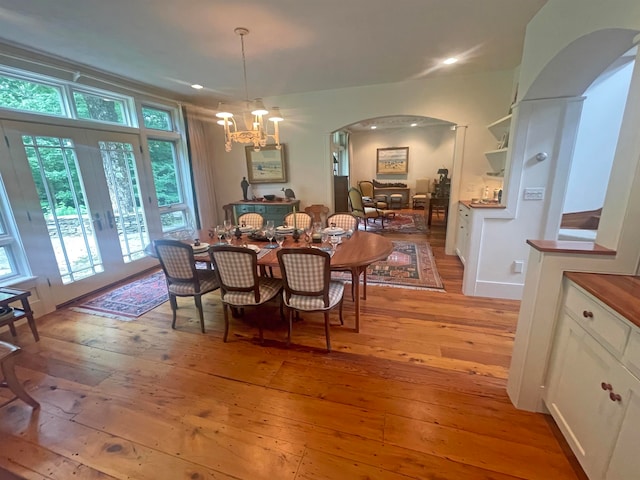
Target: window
(157,119)
(29,96)
(166,177)
(10,250)
(100,108)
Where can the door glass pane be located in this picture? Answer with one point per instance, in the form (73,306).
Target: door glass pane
(54,166)
(100,108)
(124,189)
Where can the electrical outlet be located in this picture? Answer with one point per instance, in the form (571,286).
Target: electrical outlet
(534,193)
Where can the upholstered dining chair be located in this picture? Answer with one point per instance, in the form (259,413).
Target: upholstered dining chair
(347,222)
(183,279)
(308,287)
(423,192)
(240,285)
(369,197)
(302,220)
(254,220)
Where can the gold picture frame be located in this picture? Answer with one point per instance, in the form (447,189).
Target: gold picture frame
(267,165)
(392,161)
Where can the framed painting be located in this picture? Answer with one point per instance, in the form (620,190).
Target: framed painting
(267,165)
(392,161)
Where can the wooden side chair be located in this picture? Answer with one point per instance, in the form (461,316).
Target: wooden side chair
(183,279)
(302,220)
(308,287)
(8,353)
(240,285)
(318,213)
(253,220)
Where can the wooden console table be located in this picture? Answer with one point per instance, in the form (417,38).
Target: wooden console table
(275,210)
(10,295)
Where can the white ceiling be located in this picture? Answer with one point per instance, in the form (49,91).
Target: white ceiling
(294,46)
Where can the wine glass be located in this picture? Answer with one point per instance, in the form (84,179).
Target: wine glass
(280,239)
(220,233)
(334,240)
(269,233)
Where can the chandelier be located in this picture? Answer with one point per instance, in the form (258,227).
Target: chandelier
(253,114)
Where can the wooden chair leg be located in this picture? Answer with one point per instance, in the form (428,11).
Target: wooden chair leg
(173,301)
(326,329)
(7,366)
(198,300)
(225,311)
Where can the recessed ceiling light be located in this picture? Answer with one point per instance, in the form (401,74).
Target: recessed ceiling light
(373,127)
(450,61)
(414,124)
(197,86)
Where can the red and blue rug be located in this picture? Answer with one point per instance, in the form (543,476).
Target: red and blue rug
(401,223)
(129,301)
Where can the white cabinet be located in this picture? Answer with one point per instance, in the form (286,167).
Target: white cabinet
(462,234)
(497,157)
(593,397)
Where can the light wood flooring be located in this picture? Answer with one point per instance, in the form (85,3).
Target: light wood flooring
(419,393)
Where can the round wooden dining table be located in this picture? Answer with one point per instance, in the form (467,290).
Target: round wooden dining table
(354,254)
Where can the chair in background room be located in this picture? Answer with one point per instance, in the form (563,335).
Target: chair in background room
(423,192)
(240,285)
(368,195)
(254,220)
(302,220)
(359,210)
(318,213)
(183,279)
(306,278)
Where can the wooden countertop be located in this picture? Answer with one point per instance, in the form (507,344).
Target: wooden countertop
(491,204)
(620,292)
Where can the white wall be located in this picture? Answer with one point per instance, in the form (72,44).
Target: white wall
(473,100)
(597,138)
(430,148)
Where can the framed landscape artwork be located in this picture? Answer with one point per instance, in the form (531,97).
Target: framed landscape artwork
(267,165)
(392,161)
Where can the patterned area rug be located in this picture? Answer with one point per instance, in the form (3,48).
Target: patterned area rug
(401,223)
(129,301)
(410,265)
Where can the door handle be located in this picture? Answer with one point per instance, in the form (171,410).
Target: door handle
(110,219)
(97,222)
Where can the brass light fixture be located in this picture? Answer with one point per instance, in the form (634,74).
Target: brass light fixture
(256,129)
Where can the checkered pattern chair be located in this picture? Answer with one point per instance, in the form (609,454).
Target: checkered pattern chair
(254,220)
(303,220)
(347,221)
(183,279)
(240,285)
(308,287)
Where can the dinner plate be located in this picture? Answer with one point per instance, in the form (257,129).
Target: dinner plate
(334,230)
(200,248)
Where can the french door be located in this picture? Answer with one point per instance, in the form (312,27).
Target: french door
(85,194)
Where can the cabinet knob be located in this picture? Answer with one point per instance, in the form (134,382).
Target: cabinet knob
(587,314)
(615,397)
(606,386)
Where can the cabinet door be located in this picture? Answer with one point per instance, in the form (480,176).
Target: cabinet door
(576,398)
(625,461)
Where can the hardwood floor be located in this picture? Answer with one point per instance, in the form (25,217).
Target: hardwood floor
(418,393)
